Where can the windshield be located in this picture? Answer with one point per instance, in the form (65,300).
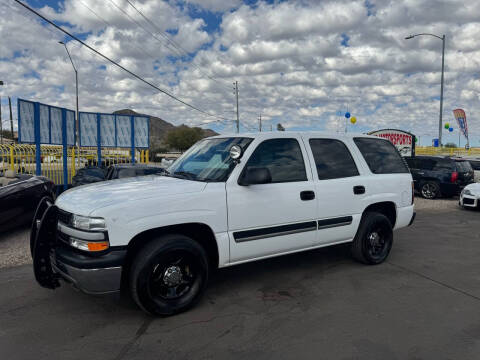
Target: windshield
(208,160)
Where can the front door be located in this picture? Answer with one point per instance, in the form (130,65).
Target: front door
(276,217)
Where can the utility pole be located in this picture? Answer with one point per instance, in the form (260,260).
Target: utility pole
(440,118)
(440,122)
(11,118)
(260,122)
(235,91)
(77,120)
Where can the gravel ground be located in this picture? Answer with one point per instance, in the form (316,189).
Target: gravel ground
(15,248)
(14,245)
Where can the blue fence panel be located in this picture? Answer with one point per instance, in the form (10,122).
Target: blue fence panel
(56,126)
(107,130)
(124,131)
(44,124)
(88,129)
(71,127)
(141,125)
(26,111)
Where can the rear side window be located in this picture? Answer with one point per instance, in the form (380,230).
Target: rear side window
(381,156)
(333,159)
(443,164)
(282,157)
(463,166)
(475,165)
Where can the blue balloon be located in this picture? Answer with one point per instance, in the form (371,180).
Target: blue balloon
(347,115)
(451,129)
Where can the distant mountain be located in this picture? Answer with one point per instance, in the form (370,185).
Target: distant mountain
(159,129)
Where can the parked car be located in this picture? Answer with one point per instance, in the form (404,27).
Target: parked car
(228,200)
(470,196)
(93,174)
(436,176)
(20,196)
(476,169)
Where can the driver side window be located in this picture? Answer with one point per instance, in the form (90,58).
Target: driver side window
(282,157)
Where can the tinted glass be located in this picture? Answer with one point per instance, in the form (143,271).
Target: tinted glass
(411,162)
(283,157)
(381,156)
(463,166)
(425,163)
(127,172)
(475,165)
(443,164)
(333,159)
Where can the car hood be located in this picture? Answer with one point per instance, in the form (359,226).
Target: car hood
(85,199)
(474,188)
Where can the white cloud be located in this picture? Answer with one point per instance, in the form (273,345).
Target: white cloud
(287,57)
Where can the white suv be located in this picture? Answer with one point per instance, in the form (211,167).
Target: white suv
(226,201)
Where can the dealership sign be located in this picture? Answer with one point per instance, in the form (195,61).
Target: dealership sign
(403,141)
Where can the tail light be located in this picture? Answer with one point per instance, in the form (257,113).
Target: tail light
(454,177)
(413,193)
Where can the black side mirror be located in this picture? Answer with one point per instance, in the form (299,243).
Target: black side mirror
(255,176)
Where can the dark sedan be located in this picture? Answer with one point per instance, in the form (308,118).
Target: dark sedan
(19,198)
(92,174)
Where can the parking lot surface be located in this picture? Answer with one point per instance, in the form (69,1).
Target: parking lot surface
(423,303)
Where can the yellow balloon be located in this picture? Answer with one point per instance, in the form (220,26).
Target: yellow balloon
(353,120)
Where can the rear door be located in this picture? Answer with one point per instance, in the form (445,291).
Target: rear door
(339,189)
(277,217)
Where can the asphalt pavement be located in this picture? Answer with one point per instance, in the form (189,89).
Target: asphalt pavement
(423,303)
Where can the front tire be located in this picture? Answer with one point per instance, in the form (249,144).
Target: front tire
(374,239)
(169,275)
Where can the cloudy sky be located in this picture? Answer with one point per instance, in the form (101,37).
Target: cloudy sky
(299,63)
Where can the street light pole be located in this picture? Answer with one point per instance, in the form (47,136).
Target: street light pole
(77,122)
(440,120)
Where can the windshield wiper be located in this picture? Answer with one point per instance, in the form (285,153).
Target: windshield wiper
(185,175)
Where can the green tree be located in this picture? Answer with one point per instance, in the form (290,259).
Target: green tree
(183,137)
(450,145)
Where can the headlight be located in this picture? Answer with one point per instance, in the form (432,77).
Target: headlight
(88,223)
(467,192)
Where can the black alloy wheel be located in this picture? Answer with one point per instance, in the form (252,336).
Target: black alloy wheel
(169,274)
(430,190)
(374,239)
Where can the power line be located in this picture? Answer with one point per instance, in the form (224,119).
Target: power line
(118,65)
(171,41)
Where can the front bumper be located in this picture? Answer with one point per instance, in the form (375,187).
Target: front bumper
(54,260)
(91,275)
(469,201)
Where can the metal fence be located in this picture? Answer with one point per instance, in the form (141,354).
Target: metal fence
(430,150)
(22,158)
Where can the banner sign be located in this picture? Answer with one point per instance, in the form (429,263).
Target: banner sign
(403,141)
(462,121)
(49,121)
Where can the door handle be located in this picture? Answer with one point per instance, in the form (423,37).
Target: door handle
(307,195)
(359,189)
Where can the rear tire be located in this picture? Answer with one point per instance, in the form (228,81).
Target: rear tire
(169,275)
(430,189)
(374,239)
